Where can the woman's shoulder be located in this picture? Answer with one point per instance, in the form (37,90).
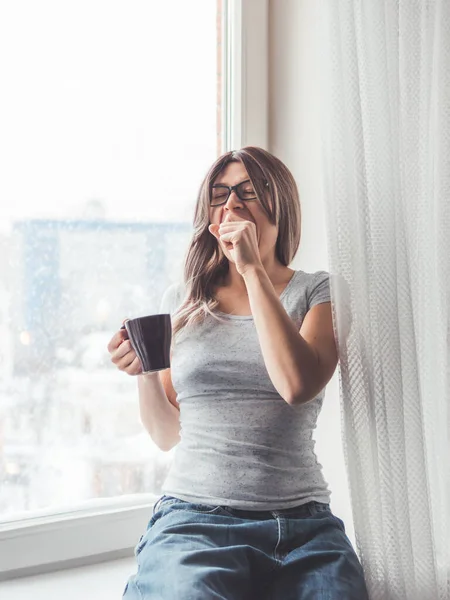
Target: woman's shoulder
(308,279)
(319,286)
(311,288)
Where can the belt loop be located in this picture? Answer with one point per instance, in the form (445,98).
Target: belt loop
(312,508)
(157,503)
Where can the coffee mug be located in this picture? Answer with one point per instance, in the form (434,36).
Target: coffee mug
(150,338)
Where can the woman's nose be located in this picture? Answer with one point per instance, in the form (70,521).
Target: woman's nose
(233,200)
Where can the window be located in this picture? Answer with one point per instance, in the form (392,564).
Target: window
(108,124)
(110,115)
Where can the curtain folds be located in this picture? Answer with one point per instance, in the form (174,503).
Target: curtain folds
(386,139)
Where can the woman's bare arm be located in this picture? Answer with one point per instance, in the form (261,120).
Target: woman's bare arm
(159,410)
(158,406)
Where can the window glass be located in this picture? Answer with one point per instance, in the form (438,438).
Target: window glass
(109,119)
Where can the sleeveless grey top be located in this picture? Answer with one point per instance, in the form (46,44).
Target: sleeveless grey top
(241,444)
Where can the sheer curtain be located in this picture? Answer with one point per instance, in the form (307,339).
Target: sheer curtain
(386,139)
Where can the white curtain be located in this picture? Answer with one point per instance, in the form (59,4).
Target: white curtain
(386,139)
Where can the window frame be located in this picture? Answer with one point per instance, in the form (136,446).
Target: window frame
(246,74)
(104,529)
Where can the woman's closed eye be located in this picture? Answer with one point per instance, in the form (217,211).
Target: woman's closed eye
(249,190)
(219,192)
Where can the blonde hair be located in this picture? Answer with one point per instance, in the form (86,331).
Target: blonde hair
(206,265)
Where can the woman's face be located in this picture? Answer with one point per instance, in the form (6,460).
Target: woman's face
(251,210)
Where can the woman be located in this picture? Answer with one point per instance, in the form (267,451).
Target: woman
(245,511)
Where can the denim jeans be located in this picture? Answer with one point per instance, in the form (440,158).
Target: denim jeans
(202,552)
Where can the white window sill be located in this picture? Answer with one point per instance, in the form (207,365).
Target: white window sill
(101,530)
(103,581)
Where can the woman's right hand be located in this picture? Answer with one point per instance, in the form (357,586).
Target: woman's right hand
(123,355)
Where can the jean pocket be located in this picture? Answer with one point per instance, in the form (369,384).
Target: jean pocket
(339,522)
(323,510)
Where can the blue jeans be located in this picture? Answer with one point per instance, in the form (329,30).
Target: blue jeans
(201,552)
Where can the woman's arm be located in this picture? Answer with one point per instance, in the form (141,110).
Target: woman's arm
(300,364)
(159,409)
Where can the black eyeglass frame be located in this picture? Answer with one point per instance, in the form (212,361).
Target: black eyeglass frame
(232,188)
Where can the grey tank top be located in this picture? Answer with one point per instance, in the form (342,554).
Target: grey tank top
(241,444)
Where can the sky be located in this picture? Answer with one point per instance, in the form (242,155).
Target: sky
(109,101)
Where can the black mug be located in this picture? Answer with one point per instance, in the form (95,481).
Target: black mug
(150,338)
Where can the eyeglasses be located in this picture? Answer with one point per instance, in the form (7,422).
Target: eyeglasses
(244,191)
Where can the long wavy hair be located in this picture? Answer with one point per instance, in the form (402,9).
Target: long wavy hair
(206,265)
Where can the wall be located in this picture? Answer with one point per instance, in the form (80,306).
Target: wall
(295,30)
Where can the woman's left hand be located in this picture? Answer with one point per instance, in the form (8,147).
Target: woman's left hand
(239,238)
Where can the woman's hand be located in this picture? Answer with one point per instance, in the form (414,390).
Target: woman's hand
(123,355)
(239,238)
